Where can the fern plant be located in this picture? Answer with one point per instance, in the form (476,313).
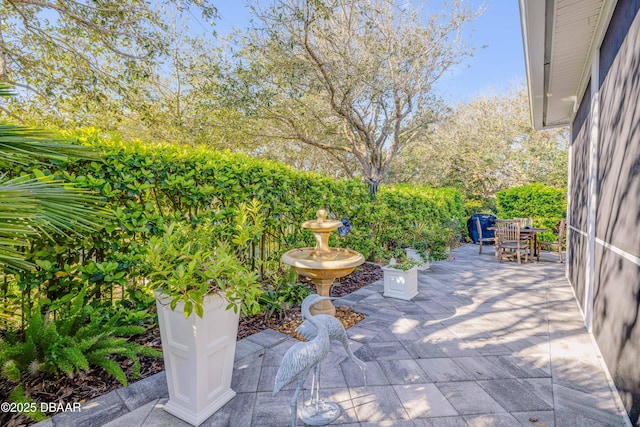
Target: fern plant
(71,343)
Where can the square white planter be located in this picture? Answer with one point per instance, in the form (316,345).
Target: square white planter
(401,284)
(198,356)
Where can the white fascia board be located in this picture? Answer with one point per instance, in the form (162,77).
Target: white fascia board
(532,22)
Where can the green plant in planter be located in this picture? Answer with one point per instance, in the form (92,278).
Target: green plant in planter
(188,262)
(417,238)
(401,262)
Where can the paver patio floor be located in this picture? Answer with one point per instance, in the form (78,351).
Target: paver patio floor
(482,344)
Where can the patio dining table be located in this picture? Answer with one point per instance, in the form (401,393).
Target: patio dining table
(532,234)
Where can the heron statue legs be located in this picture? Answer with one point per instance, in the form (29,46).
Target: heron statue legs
(317,412)
(299,361)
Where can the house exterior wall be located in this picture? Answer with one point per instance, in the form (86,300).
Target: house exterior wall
(616,320)
(615,278)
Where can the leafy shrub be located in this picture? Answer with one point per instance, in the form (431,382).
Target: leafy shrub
(546,205)
(147,187)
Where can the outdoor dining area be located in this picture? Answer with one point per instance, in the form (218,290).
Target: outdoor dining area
(516,238)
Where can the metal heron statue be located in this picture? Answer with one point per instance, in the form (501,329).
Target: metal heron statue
(336,333)
(300,359)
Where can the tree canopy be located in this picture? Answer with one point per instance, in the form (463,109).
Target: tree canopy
(353,78)
(75,61)
(487,145)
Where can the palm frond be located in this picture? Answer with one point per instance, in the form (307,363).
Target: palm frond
(39,206)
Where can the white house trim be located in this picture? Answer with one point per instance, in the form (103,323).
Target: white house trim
(592,198)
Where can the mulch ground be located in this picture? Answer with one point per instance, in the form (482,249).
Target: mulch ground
(95,382)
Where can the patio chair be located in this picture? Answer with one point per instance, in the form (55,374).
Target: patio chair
(509,241)
(554,246)
(482,239)
(524,222)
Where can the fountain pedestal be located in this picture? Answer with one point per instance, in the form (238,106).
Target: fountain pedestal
(321,263)
(323,287)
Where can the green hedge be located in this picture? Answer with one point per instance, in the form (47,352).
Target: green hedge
(147,186)
(546,205)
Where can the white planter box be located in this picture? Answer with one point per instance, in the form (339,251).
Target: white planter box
(198,356)
(400,284)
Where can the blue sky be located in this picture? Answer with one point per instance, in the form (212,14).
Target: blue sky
(492,69)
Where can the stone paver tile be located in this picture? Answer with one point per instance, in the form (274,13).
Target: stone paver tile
(491,420)
(268,338)
(467,397)
(97,411)
(432,307)
(365,308)
(330,376)
(378,327)
(404,371)
(274,410)
(158,417)
(579,374)
(353,296)
(525,366)
(458,348)
(385,335)
(377,404)
(342,398)
(246,374)
(526,345)
(268,357)
(422,350)
(481,368)
(406,329)
(530,418)
(577,345)
(237,412)
(598,406)
(361,333)
(142,392)
(514,394)
(440,422)
(135,418)
(444,370)
(365,353)
(382,351)
(437,333)
(282,347)
(245,347)
(353,374)
(570,418)
(268,378)
(489,348)
(424,401)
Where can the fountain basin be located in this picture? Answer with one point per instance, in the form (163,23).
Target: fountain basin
(322,270)
(338,263)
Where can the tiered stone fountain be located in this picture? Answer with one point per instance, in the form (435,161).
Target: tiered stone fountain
(323,264)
